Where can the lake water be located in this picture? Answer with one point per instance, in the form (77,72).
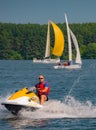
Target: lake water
(72,101)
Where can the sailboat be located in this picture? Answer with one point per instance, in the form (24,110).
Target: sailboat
(78,61)
(58,45)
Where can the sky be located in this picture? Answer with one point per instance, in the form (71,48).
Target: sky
(40,11)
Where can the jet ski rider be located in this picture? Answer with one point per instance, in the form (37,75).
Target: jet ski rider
(42,89)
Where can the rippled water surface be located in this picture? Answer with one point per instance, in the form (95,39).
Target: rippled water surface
(72,101)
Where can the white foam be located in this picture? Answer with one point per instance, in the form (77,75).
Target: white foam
(69,108)
(57,109)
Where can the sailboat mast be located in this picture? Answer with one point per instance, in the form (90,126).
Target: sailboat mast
(69,40)
(47,51)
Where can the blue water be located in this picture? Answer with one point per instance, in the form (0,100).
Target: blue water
(72,101)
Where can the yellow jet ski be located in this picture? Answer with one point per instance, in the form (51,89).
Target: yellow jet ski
(22,99)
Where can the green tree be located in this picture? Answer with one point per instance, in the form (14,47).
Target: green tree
(90,52)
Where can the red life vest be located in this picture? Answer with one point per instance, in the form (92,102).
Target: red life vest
(41,86)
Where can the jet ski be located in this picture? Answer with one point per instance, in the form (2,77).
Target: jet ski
(22,99)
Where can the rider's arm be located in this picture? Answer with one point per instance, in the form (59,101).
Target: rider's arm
(45,89)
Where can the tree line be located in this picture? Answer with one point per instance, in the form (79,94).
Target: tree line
(26,41)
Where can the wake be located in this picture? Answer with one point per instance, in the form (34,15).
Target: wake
(68,108)
(57,109)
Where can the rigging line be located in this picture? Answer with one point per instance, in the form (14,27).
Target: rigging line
(74,84)
(77,81)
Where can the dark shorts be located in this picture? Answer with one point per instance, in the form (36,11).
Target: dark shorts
(47,98)
(45,95)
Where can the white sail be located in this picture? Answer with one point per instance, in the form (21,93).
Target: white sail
(69,40)
(78,57)
(78,62)
(47,51)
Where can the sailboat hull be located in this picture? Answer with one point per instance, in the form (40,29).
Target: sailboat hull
(47,61)
(74,66)
(37,61)
(51,60)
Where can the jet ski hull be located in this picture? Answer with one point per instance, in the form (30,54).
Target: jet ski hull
(22,99)
(16,108)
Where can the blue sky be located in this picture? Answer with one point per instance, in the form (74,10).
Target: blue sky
(40,11)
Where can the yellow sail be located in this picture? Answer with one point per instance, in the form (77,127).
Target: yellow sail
(59,40)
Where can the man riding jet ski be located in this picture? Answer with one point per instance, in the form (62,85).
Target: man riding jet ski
(42,89)
(27,99)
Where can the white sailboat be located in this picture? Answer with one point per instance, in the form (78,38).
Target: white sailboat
(78,61)
(58,45)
